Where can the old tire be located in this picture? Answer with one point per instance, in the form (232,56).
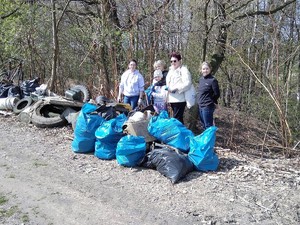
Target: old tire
(22,104)
(85,95)
(48,115)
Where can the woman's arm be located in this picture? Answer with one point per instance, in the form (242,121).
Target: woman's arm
(216,90)
(186,80)
(160,92)
(121,88)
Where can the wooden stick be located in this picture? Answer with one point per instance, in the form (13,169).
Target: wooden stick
(264,141)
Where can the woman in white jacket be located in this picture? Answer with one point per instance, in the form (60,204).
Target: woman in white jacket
(178,81)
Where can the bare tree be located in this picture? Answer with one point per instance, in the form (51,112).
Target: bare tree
(55,28)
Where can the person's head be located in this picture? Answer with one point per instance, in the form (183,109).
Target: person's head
(175,59)
(205,68)
(132,65)
(157,75)
(159,65)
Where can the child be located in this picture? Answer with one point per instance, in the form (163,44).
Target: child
(159,93)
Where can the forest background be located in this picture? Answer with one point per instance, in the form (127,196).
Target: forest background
(253,45)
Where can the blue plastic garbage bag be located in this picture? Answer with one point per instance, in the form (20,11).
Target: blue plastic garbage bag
(108,136)
(105,150)
(169,163)
(84,134)
(202,153)
(131,150)
(170,131)
(148,93)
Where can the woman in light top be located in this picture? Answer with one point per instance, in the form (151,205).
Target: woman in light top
(131,86)
(178,81)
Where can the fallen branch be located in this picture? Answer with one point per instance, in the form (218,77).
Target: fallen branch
(255,203)
(294,148)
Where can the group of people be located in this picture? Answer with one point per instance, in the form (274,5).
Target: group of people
(169,87)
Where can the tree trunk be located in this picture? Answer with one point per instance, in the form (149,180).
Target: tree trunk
(53,78)
(55,24)
(219,55)
(206,32)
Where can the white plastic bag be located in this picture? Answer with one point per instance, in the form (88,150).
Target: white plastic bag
(190,96)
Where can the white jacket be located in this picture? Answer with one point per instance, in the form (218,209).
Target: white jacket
(159,94)
(179,79)
(132,83)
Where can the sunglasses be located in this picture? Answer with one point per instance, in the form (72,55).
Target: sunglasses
(173,61)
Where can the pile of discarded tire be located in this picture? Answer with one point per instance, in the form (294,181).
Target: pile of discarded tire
(43,108)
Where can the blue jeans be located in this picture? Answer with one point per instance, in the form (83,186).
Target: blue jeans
(132,100)
(207,116)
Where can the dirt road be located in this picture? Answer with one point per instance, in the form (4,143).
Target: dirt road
(43,182)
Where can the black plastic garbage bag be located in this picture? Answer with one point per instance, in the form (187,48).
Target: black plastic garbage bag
(29,86)
(169,163)
(107,112)
(14,91)
(4,88)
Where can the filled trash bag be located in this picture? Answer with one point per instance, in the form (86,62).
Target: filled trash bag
(4,89)
(148,93)
(14,91)
(169,163)
(170,131)
(131,150)
(202,153)
(29,86)
(105,150)
(84,134)
(107,112)
(108,136)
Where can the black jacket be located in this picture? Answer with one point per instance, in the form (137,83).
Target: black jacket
(208,90)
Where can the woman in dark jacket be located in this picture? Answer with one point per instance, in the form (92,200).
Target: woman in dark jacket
(209,93)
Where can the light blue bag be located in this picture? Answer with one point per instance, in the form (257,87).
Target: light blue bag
(87,122)
(131,150)
(170,131)
(108,136)
(202,153)
(105,150)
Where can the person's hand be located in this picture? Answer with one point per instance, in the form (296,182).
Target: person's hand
(140,101)
(119,99)
(173,90)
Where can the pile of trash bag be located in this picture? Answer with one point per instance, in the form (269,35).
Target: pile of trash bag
(181,153)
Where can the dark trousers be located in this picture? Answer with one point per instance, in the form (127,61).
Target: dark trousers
(207,116)
(178,110)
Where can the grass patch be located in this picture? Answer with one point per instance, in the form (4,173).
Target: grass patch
(8,213)
(38,164)
(3,200)
(11,176)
